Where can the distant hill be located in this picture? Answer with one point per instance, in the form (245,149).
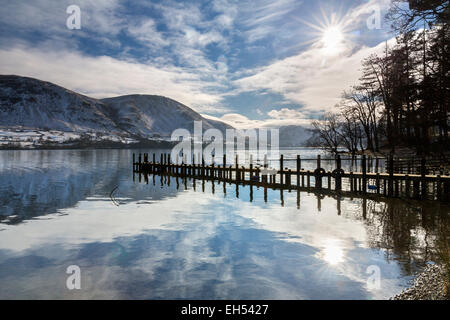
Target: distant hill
(38,104)
(50,111)
(294,136)
(147,115)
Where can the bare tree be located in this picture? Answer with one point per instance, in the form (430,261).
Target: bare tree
(350,130)
(327,130)
(406,18)
(363,103)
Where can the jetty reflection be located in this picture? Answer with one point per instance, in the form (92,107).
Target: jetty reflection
(191,238)
(411,231)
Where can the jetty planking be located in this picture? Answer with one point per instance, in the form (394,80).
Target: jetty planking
(336,182)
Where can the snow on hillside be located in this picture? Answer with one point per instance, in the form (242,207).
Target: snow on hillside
(149,115)
(33,103)
(29,138)
(35,113)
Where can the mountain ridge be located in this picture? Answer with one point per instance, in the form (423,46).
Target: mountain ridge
(33,104)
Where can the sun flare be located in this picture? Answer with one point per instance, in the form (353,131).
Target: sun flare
(332,40)
(333,253)
(330,33)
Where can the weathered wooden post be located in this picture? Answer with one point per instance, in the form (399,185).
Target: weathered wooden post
(298,170)
(308,178)
(281,169)
(318,173)
(134,162)
(351,180)
(303,180)
(338,173)
(251,168)
(224,184)
(140,163)
(144,165)
(237,178)
(378,183)
(224,165)
(364,173)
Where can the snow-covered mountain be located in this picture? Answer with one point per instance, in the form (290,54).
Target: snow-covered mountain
(41,108)
(148,115)
(33,103)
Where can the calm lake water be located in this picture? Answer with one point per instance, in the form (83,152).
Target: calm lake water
(169,240)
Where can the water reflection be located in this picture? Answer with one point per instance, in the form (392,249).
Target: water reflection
(181,238)
(332,252)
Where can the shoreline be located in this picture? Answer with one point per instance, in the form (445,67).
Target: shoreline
(431,284)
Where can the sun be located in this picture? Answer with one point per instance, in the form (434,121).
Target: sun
(330,34)
(332,40)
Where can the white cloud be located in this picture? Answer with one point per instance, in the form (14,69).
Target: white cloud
(105,76)
(146,32)
(179,65)
(263,18)
(308,79)
(190,32)
(313,77)
(286,113)
(195,38)
(277,118)
(99,16)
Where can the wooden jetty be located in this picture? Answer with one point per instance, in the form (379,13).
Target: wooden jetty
(336,182)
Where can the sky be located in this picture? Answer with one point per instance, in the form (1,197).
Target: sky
(250,63)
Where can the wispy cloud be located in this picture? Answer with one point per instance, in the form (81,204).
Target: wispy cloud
(146,32)
(105,76)
(312,78)
(203,54)
(276,119)
(263,18)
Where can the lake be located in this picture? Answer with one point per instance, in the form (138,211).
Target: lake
(169,239)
